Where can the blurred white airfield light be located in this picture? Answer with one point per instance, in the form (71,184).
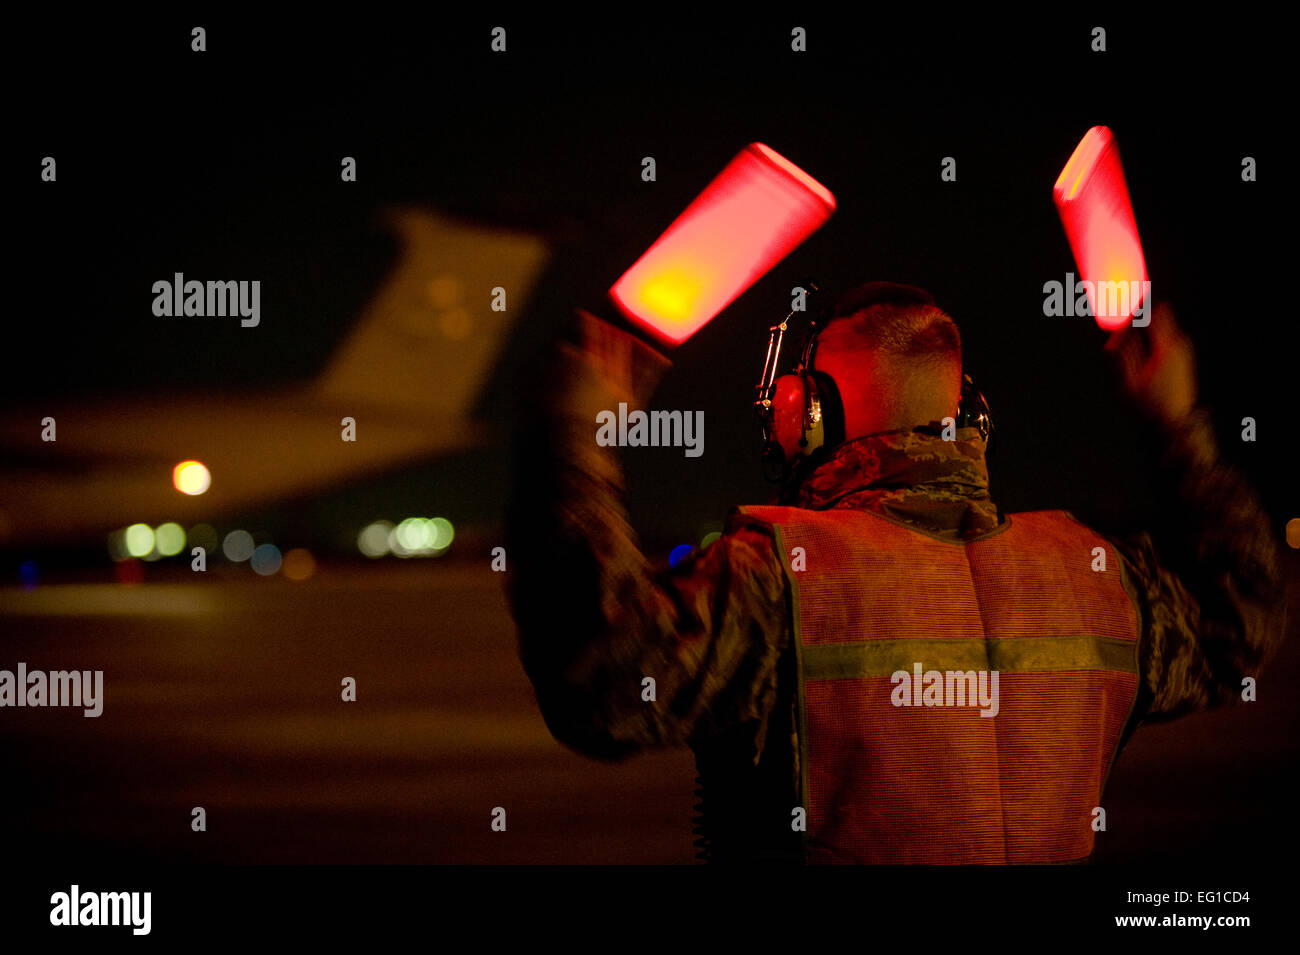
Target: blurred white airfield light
(169,538)
(413,537)
(409,372)
(373,539)
(421,537)
(238,546)
(139,540)
(143,542)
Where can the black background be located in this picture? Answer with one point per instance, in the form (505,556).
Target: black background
(228,162)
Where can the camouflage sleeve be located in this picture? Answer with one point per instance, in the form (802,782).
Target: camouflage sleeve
(1208,588)
(595,617)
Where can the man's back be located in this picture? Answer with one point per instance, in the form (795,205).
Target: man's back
(985,681)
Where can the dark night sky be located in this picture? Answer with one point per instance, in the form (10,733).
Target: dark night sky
(226,163)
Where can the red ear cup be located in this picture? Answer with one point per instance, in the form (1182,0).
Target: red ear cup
(789,412)
(798,425)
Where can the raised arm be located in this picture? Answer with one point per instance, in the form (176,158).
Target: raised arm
(595,616)
(1207,583)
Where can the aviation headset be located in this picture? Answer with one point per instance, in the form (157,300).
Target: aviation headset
(802,414)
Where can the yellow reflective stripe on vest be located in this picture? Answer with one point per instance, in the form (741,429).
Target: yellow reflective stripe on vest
(882,658)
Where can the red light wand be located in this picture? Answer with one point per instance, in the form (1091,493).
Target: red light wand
(757,210)
(1093,201)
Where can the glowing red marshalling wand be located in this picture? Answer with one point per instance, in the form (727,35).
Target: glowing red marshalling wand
(1092,199)
(757,210)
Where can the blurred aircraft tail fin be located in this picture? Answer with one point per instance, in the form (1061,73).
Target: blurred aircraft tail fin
(427,340)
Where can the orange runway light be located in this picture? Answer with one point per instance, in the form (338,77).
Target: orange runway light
(191,477)
(757,210)
(1092,199)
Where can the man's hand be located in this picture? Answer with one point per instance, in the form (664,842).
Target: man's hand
(1157,366)
(627,366)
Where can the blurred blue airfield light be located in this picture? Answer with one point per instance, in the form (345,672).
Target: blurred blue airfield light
(265,560)
(679,553)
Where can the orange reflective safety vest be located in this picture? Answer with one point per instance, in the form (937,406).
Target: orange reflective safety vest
(959,702)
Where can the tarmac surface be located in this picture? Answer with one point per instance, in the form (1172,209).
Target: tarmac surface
(226,695)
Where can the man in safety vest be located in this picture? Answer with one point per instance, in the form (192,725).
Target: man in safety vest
(885,668)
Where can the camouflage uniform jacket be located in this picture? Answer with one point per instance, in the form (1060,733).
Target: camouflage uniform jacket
(596,617)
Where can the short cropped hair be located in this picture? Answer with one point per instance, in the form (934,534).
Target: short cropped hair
(911,346)
(895,320)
